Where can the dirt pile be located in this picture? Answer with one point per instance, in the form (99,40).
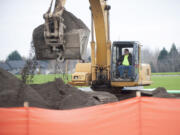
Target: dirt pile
(52,95)
(63,96)
(57,95)
(13,92)
(161,92)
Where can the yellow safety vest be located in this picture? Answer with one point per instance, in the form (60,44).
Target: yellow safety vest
(125,61)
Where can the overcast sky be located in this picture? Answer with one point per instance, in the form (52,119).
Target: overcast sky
(154,23)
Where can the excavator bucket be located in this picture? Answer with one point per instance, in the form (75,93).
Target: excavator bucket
(69,43)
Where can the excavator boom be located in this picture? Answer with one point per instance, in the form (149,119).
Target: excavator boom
(66,37)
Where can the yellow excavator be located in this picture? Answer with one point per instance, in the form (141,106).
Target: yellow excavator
(102,72)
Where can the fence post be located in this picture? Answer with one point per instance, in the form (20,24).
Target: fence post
(138,93)
(26,104)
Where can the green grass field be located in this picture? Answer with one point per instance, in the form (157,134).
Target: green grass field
(169,82)
(167,73)
(39,79)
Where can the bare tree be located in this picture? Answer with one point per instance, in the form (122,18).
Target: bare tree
(150,57)
(28,72)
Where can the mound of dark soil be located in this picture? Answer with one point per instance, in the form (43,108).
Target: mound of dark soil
(52,95)
(63,96)
(161,92)
(13,92)
(57,95)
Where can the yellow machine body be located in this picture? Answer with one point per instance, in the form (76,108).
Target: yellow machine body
(100,70)
(144,78)
(82,75)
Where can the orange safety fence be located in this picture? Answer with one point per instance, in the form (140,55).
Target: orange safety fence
(136,116)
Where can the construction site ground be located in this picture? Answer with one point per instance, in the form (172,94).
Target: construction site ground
(60,96)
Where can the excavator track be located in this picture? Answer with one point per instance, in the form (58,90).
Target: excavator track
(114,94)
(103,97)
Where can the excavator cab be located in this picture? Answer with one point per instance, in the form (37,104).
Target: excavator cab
(117,53)
(141,73)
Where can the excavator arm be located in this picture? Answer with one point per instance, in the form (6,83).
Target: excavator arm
(54,34)
(66,37)
(101,50)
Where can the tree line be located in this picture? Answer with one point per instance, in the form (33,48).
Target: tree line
(160,60)
(14,56)
(163,60)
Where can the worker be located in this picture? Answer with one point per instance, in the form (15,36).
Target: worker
(125,64)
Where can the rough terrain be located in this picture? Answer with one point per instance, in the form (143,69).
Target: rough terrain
(58,95)
(63,96)
(13,92)
(52,95)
